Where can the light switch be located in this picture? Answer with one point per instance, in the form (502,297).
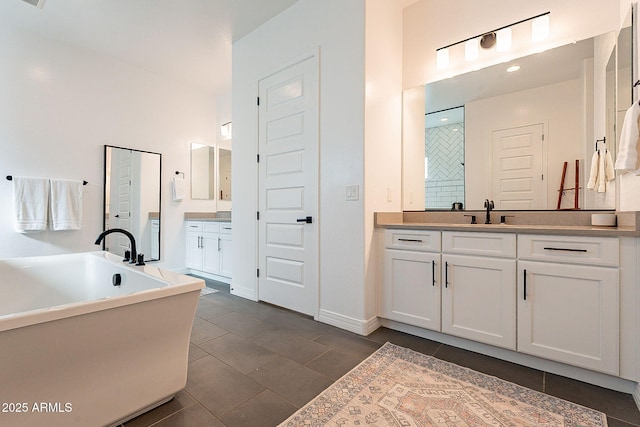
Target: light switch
(352,193)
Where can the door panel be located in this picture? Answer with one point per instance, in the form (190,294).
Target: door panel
(288,187)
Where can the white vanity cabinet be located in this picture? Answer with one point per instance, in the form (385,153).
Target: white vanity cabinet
(411,289)
(478,287)
(568,300)
(208,248)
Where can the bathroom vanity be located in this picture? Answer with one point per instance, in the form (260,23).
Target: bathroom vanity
(209,245)
(562,293)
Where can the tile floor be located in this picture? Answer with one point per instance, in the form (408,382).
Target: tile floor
(252,364)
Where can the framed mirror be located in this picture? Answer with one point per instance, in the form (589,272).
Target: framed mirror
(203,172)
(132,200)
(224,174)
(522,120)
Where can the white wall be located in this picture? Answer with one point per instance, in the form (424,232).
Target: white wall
(431,24)
(60,104)
(337,29)
(557,106)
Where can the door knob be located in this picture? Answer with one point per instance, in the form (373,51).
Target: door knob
(117,216)
(308,220)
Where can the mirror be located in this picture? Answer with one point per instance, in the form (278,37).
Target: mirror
(202,172)
(132,200)
(224,174)
(519,127)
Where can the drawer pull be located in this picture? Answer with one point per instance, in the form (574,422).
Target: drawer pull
(565,249)
(410,240)
(433,272)
(525,284)
(226,228)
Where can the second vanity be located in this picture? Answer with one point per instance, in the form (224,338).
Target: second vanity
(209,245)
(560,292)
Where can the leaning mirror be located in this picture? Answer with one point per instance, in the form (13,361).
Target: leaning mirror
(522,121)
(202,172)
(132,200)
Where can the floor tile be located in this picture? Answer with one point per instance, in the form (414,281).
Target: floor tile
(266,409)
(334,364)
(260,311)
(299,325)
(203,331)
(291,381)
(195,352)
(193,416)
(179,402)
(518,374)
(348,343)
(618,405)
(238,352)
(292,346)
(612,422)
(421,345)
(218,387)
(209,310)
(242,324)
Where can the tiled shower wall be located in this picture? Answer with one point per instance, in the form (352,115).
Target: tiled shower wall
(444,151)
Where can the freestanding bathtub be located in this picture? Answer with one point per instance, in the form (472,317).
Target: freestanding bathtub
(75,350)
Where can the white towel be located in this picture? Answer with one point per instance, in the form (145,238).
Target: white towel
(601,171)
(30,203)
(179,188)
(627,159)
(66,204)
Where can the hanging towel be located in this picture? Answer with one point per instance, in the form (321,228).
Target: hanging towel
(30,203)
(601,171)
(627,159)
(179,188)
(66,204)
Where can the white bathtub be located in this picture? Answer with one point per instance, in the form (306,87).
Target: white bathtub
(77,351)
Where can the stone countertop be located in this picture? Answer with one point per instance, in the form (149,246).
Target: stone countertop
(413,220)
(208,216)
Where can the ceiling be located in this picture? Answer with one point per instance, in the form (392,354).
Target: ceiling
(185,40)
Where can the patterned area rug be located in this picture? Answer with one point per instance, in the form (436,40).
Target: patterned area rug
(207,291)
(397,387)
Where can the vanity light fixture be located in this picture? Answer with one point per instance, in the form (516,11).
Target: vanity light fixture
(513,68)
(225,130)
(500,37)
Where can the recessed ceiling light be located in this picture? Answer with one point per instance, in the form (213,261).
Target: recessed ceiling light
(513,68)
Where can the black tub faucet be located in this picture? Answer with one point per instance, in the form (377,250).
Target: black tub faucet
(126,233)
(489,205)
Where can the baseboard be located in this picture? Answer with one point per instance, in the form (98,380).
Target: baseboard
(244,292)
(351,324)
(636,395)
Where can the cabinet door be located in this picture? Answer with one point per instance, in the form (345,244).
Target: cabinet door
(225,255)
(570,314)
(479,299)
(211,256)
(194,250)
(411,289)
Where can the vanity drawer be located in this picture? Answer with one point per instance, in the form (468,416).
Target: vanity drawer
(501,245)
(572,249)
(194,226)
(211,226)
(225,228)
(415,240)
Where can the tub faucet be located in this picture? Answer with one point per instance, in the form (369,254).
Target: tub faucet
(489,205)
(126,233)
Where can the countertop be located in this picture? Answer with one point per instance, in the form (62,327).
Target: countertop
(422,220)
(222,216)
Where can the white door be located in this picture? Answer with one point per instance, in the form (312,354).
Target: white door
(120,209)
(288,187)
(517,178)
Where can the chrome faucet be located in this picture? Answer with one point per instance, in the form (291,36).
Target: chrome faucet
(489,205)
(126,233)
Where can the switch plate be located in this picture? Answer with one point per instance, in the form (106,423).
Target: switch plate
(352,193)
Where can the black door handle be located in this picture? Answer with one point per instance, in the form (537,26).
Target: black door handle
(117,216)
(308,220)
